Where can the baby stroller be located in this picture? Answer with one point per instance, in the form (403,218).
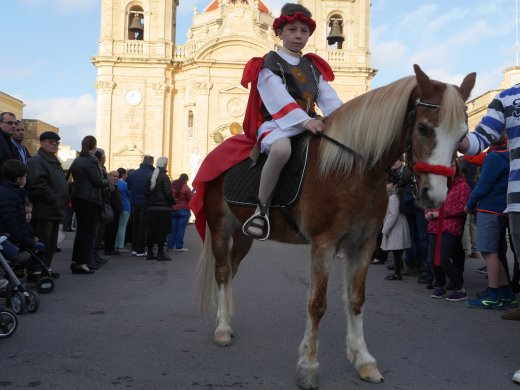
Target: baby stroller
(40,274)
(15,294)
(8,323)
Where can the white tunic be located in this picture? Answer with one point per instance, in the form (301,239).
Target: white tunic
(275,97)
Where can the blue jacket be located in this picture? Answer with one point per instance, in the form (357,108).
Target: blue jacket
(490,193)
(137,184)
(125,194)
(12,215)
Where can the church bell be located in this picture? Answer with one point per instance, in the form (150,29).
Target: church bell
(135,24)
(335,35)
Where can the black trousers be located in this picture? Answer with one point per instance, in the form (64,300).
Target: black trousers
(110,234)
(159,229)
(47,233)
(452,263)
(139,228)
(87,216)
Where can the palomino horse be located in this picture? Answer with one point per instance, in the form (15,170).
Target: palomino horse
(423,116)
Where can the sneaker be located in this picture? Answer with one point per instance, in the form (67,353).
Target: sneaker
(491,300)
(516,377)
(508,297)
(438,293)
(512,315)
(163,257)
(482,270)
(181,250)
(457,295)
(141,254)
(134,253)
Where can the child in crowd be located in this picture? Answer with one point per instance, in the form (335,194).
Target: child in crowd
(13,223)
(489,200)
(289,86)
(445,228)
(395,232)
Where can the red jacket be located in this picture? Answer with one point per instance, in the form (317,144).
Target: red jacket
(454,215)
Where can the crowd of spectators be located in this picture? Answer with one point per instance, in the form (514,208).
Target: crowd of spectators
(107,210)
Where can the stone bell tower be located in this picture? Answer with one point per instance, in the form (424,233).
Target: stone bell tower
(342,38)
(134,79)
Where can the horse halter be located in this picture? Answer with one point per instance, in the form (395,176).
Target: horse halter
(421,166)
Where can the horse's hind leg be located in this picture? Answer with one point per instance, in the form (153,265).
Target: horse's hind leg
(355,272)
(307,368)
(235,251)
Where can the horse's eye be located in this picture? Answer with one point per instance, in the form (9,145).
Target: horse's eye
(422,129)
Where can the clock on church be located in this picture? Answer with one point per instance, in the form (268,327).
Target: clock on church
(133,97)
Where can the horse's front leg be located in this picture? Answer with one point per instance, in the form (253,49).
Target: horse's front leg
(307,369)
(355,272)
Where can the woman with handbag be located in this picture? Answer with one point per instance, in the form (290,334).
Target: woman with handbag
(87,201)
(160,202)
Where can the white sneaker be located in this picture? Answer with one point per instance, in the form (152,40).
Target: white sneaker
(134,253)
(181,250)
(516,377)
(143,254)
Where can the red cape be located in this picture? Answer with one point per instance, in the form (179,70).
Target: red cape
(237,148)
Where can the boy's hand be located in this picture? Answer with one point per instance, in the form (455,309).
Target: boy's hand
(314,126)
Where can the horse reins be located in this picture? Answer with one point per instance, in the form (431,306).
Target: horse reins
(420,166)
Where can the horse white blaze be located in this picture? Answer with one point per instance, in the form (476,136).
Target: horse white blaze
(442,155)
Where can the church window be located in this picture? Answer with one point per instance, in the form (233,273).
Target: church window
(136,23)
(189,130)
(335,37)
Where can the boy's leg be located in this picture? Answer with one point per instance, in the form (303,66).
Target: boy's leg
(278,156)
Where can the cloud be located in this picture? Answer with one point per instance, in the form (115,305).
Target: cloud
(74,116)
(388,53)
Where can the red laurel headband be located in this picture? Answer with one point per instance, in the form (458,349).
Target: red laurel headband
(284,19)
(441,170)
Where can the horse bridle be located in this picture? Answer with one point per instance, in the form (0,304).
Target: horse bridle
(421,166)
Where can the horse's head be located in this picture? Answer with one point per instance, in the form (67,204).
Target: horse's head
(439,123)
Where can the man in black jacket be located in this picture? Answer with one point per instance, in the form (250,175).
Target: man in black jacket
(7,127)
(137,187)
(48,192)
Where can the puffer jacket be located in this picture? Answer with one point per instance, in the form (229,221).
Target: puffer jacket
(161,197)
(137,184)
(47,187)
(12,215)
(88,180)
(454,215)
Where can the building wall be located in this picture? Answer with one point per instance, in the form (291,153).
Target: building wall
(11,104)
(202,76)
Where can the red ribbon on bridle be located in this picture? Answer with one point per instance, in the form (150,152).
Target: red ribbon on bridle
(284,19)
(441,170)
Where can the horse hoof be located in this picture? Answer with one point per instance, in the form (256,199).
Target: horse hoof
(307,377)
(223,339)
(370,373)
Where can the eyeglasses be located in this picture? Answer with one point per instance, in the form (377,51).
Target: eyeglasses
(52,141)
(10,123)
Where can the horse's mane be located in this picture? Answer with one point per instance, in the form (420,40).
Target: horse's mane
(369,124)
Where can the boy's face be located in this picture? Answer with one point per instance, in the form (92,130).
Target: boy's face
(295,35)
(28,213)
(20,181)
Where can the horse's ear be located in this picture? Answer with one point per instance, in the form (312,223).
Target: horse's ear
(467,85)
(423,81)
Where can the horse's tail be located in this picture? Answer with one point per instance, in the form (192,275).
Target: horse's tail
(206,282)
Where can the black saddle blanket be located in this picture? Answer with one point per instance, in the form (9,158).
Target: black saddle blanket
(242,181)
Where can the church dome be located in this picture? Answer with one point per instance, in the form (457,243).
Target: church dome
(261,6)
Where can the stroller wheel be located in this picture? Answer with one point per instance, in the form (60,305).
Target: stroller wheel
(8,323)
(32,301)
(45,285)
(18,303)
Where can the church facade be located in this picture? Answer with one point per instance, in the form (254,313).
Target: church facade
(161,99)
